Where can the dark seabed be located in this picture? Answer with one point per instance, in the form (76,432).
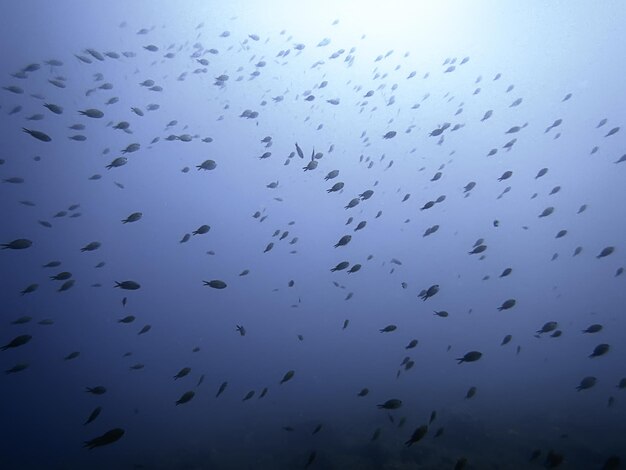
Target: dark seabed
(324,235)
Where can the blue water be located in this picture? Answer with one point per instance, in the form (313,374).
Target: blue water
(240,83)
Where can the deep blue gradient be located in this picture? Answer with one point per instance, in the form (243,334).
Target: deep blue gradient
(526,396)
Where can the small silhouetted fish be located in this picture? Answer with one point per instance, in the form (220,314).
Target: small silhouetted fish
(506,175)
(363,392)
(586,383)
(388,329)
(92,246)
(312,165)
(600,350)
(427,293)
(18,244)
(507,339)
(478,249)
(411,344)
(19,367)
(341,266)
(93,415)
(215,284)
(343,240)
(56,109)
(547,211)
(471,356)
(417,435)
(392,404)
(507,304)
(548,327)
(506,272)
(18,341)
(29,289)
(201,230)
(593,328)
(108,437)
(469,186)
(185,398)
(311,459)
(249,395)
(288,376)
(127,285)
(144,330)
(207,165)
(52,264)
(354,268)
(606,252)
(134,217)
(97,390)
(92,113)
(182,373)
(331,175)
(14,180)
(221,389)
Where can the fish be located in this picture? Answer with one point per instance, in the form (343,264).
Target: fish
(185,398)
(417,435)
(93,415)
(107,438)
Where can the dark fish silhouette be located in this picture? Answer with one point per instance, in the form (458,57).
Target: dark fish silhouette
(107,438)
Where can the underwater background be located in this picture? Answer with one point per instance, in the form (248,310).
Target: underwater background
(409,235)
